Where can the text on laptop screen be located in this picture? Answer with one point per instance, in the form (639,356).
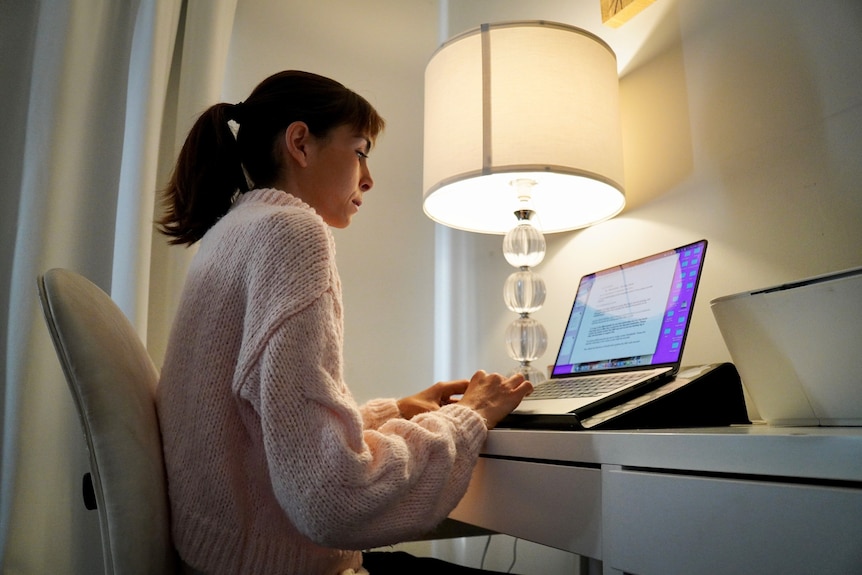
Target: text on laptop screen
(636,314)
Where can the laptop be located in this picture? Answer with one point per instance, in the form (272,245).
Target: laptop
(625,334)
(795,346)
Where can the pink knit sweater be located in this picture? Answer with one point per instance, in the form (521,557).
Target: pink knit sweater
(272,466)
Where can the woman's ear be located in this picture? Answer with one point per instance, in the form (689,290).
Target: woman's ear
(297,138)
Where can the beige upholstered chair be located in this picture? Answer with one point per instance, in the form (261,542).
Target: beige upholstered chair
(112,380)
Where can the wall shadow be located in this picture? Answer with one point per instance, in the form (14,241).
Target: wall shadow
(657,143)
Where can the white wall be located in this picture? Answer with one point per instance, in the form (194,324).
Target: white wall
(744,131)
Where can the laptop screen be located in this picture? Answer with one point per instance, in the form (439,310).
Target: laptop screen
(632,315)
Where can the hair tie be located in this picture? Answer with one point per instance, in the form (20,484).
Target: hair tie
(236,112)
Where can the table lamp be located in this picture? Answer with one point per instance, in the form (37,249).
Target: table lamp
(523,138)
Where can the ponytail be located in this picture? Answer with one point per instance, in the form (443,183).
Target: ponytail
(207,176)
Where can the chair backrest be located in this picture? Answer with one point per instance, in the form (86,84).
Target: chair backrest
(113,380)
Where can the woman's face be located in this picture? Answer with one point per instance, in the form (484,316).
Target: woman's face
(336,175)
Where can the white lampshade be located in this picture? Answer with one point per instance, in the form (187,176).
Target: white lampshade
(522,100)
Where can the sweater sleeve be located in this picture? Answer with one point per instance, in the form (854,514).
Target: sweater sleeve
(344,485)
(378,411)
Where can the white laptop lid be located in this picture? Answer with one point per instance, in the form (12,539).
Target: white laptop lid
(795,347)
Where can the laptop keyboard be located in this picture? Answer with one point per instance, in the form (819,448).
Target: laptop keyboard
(583,386)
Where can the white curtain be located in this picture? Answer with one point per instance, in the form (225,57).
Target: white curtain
(96,95)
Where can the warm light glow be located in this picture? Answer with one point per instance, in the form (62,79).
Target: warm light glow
(533,100)
(487,203)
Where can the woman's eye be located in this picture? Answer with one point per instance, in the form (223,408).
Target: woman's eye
(362,155)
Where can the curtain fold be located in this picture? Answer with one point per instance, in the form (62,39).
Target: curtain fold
(95,87)
(150,57)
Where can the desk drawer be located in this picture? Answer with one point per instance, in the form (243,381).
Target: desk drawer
(667,524)
(514,497)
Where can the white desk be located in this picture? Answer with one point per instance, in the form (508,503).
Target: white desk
(748,499)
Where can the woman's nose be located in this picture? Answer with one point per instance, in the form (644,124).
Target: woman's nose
(367,182)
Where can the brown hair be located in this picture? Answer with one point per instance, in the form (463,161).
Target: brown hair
(209,171)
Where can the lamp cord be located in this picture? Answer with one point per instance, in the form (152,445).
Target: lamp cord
(514,554)
(485,552)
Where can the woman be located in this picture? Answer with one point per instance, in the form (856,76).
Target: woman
(272,466)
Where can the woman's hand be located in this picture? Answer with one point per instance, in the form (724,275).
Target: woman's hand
(491,395)
(431,399)
(494,396)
